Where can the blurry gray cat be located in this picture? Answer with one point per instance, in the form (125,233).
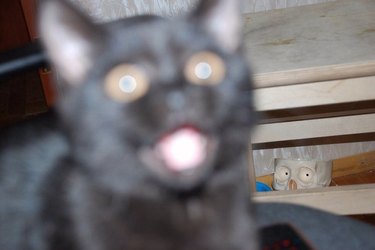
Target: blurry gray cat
(147,147)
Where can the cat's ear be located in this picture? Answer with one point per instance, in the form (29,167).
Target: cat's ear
(70,38)
(223,20)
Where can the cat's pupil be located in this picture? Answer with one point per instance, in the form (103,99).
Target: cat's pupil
(203,70)
(128,84)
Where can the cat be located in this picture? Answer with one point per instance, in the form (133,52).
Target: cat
(147,146)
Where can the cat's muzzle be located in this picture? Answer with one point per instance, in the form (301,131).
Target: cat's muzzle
(182,157)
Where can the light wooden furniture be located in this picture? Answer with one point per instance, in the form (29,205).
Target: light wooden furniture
(315,83)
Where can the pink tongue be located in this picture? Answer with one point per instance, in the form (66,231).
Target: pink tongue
(184,149)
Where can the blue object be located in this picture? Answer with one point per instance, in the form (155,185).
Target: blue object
(261,187)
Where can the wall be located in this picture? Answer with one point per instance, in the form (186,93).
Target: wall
(113,9)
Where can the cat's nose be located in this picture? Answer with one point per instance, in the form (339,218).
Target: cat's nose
(176,101)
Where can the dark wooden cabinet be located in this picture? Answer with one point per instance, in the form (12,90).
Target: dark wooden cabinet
(30,12)
(21,94)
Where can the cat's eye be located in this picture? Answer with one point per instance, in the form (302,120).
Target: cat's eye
(126,83)
(306,175)
(282,173)
(205,68)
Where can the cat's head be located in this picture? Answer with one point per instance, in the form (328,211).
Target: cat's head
(150,101)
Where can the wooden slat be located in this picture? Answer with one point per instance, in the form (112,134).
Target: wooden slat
(318,112)
(29,10)
(344,200)
(314,74)
(250,6)
(367,177)
(318,128)
(353,164)
(30,13)
(315,94)
(312,43)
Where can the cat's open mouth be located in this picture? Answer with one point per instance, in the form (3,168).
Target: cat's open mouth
(184,154)
(183,149)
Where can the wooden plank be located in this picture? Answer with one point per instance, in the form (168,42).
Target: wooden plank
(317,128)
(353,164)
(250,6)
(344,200)
(304,114)
(30,12)
(315,94)
(367,177)
(314,74)
(301,44)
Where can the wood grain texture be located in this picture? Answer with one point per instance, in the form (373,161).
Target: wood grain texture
(251,6)
(304,40)
(315,94)
(316,128)
(367,177)
(30,13)
(314,74)
(354,164)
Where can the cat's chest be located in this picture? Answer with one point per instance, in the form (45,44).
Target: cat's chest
(202,222)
